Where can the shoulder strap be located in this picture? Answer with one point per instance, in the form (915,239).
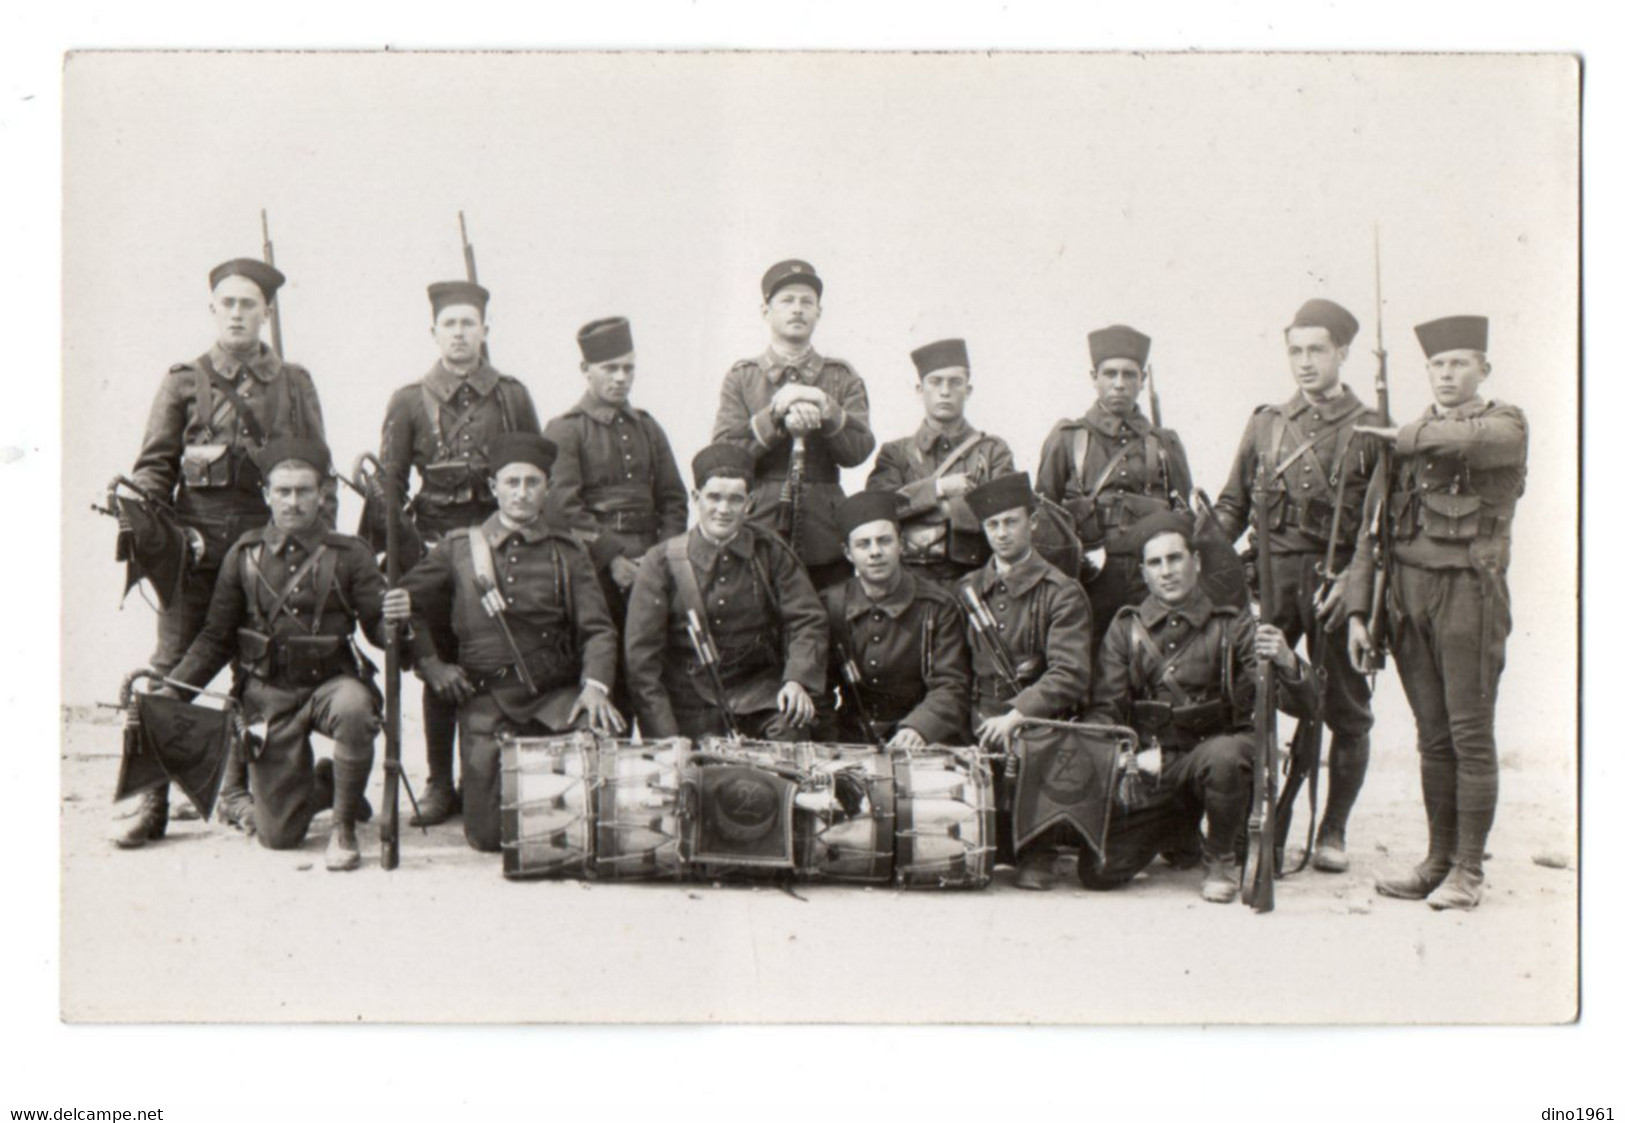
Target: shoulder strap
(298,575)
(957,454)
(688,583)
(479,551)
(326,573)
(431,410)
(1106,473)
(1305,447)
(255,432)
(764,576)
(203,396)
(1156,460)
(1080,455)
(562,588)
(504,407)
(253,579)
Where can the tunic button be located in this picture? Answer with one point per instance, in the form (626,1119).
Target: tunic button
(510,579)
(874,639)
(1001,625)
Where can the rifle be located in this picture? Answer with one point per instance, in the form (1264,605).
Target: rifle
(790,495)
(472,270)
(853,677)
(1153,398)
(1258,878)
(269,254)
(1381,531)
(700,640)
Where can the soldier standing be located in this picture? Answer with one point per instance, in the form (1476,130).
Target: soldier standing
(615,482)
(209,419)
(934,469)
(802,417)
(1041,620)
(1320,460)
(1181,671)
(286,605)
(443,425)
(1112,467)
(535,649)
(1458,474)
(751,599)
(897,639)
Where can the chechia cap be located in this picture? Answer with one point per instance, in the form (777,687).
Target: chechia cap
(521,448)
(268,277)
(730,461)
(1118,342)
(1454,333)
(791,272)
(1338,321)
(1000,494)
(943,353)
(606,339)
(864,508)
(444,294)
(306,450)
(1161,522)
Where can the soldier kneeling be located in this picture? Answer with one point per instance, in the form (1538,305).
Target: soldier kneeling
(286,603)
(1181,671)
(535,642)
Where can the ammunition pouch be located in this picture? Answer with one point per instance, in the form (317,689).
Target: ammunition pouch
(207,467)
(1201,719)
(1450,516)
(255,653)
(449,482)
(626,522)
(1152,716)
(311,660)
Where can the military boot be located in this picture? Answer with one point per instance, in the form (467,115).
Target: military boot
(236,805)
(1330,852)
(1037,871)
(144,823)
(1416,884)
(1462,889)
(322,794)
(346,779)
(440,802)
(1222,881)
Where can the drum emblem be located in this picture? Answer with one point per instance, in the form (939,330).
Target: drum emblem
(746,806)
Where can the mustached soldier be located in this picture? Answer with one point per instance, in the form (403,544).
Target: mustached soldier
(535,647)
(791,395)
(753,603)
(443,425)
(897,639)
(934,469)
(1112,467)
(208,421)
(286,606)
(1459,471)
(1319,458)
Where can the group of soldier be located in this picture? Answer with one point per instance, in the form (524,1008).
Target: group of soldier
(560,585)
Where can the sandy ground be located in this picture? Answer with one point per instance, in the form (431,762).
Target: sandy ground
(206,926)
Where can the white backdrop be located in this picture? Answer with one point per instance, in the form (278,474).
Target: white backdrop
(1017,200)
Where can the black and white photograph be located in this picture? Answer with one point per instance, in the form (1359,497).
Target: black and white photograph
(820,538)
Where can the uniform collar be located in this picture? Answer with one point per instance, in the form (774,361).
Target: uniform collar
(1196,611)
(1019,580)
(929,433)
(1464,412)
(276,539)
(599,412)
(893,604)
(1334,411)
(774,364)
(264,365)
(499,533)
(705,552)
(444,384)
(1099,417)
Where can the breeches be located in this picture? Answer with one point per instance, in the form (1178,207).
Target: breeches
(282,778)
(1211,779)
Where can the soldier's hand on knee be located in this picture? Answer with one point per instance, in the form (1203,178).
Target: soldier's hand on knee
(906,738)
(447,680)
(795,704)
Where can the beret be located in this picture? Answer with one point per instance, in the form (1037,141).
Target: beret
(521,448)
(1454,333)
(1161,522)
(1338,321)
(1118,342)
(606,339)
(943,353)
(305,449)
(268,277)
(444,294)
(866,507)
(723,460)
(1000,494)
(790,272)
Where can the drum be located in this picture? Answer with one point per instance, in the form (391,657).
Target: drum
(945,818)
(547,787)
(845,829)
(639,831)
(737,803)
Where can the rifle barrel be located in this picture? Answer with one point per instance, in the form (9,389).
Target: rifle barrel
(389,822)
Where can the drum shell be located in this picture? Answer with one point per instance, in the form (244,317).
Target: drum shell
(833,845)
(945,818)
(547,806)
(638,811)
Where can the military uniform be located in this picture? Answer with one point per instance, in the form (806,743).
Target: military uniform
(285,607)
(559,621)
(766,621)
(1314,446)
(941,537)
(1109,472)
(442,426)
(909,648)
(1184,677)
(1044,620)
(1458,474)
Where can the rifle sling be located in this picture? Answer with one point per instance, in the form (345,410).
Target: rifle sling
(257,581)
(213,379)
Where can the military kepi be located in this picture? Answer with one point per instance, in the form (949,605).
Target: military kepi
(942,354)
(1118,342)
(791,272)
(1001,494)
(1161,522)
(864,508)
(444,294)
(521,448)
(1338,321)
(726,460)
(1454,333)
(603,340)
(268,277)
(306,450)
